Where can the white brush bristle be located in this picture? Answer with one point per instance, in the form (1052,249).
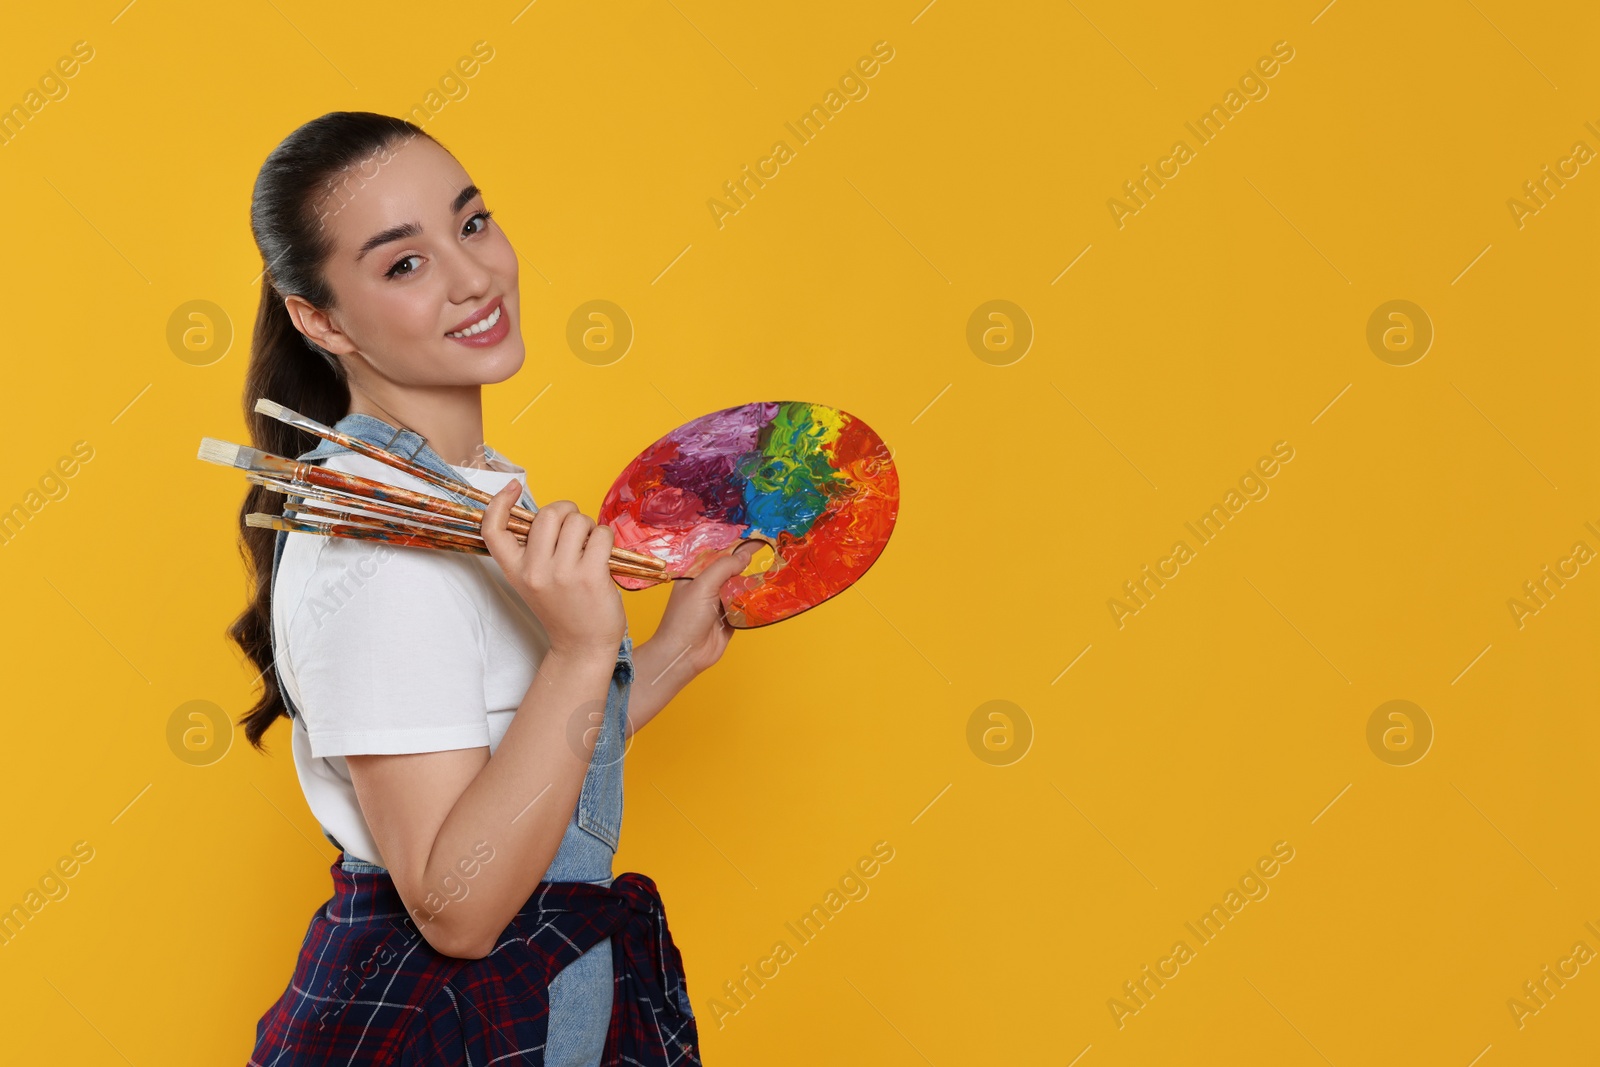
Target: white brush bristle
(259,520)
(273,410)
(223,453)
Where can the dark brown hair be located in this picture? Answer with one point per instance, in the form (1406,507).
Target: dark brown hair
(306,179)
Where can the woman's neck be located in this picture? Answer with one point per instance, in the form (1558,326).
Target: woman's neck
(449,418)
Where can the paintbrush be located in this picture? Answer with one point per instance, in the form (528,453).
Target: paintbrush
(351,500)
(312,512)
(357,533)
(227,454)
(332,523)
(274,410)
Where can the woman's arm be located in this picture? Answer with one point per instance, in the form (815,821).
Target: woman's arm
(467,836)
(693,634)
(659,674)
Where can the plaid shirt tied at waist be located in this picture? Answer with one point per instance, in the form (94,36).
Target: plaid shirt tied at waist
(369,989)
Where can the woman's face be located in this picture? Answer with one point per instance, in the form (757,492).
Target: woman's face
(415,262)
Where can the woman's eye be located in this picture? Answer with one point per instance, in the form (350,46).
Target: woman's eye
(394,270)
(481,219)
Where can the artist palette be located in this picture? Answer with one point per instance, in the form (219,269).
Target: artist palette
(813,482)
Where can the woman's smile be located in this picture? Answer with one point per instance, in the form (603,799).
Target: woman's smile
(486,330)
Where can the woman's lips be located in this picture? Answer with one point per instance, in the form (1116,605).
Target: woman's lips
(494,334)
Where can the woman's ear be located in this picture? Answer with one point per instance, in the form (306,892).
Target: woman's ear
(318,326)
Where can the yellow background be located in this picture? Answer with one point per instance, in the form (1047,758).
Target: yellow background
(1225,316)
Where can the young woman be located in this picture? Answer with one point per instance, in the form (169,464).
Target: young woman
(458,721)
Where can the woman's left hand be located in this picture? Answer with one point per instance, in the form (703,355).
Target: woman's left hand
(695,616)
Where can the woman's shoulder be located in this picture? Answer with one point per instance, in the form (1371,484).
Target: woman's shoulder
(373,583)
(389,578)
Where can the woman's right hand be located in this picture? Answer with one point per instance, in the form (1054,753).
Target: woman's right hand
(563,573)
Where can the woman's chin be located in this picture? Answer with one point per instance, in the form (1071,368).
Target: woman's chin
(509,356)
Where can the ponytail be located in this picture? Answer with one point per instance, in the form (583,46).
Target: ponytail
(284,368)
(285,365)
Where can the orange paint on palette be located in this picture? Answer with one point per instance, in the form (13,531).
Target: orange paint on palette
(814,482)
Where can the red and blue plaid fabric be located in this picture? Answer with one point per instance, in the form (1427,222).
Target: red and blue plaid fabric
(369,989)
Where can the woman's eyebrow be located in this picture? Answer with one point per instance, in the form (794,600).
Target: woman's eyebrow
(412,229)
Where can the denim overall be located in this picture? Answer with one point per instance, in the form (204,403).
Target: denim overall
(577,1021)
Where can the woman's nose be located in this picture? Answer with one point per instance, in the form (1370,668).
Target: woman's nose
(470,277)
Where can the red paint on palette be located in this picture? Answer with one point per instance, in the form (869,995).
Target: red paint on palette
(812,481)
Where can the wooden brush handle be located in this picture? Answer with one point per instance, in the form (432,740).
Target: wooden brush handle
(369,533)
(518,512)
(365,503)
(382,491)
(418,537)
(323,513)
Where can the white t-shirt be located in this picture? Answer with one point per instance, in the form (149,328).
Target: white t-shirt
(387,649)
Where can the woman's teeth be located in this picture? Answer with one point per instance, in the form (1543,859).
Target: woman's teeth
(479,326)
